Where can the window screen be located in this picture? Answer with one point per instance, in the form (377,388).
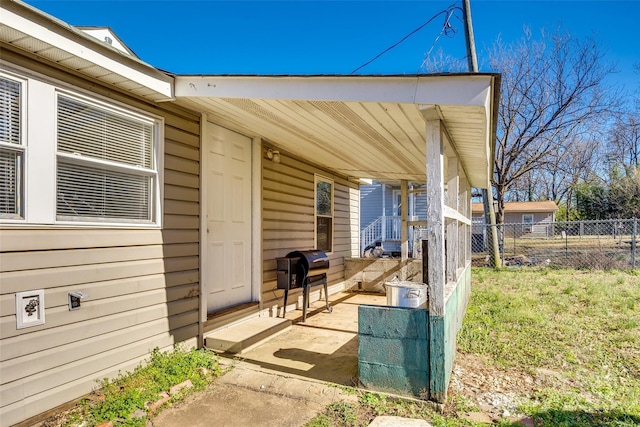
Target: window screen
(105,168)
(11,149)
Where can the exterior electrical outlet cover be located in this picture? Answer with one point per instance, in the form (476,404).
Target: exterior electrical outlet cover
(75,299)
(29,308)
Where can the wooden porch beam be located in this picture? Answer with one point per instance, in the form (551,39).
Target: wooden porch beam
(452,242)
(404,232)
(450,213)
(465,227)
(435,217)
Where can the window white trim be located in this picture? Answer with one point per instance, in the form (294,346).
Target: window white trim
(319,179)
(19,147)
(41,156)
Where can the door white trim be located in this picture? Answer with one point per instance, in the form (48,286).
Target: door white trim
(203,227)
(256,220)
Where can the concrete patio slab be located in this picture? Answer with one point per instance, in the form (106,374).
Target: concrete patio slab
(288,379)
(324,348)
(245,335)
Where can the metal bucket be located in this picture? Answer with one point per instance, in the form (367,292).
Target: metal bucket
(406,294)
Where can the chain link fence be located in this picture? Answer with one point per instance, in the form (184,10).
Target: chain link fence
(606,244)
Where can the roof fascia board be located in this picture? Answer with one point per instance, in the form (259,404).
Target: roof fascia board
(158,82)
(490,139)
(440,89)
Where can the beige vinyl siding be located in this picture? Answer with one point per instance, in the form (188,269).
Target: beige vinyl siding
(142,284)
(288,205)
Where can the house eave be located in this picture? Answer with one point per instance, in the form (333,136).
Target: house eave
(441,89)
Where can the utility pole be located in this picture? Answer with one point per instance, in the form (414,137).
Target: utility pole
(487,194)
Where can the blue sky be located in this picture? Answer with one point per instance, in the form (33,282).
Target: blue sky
(336,37)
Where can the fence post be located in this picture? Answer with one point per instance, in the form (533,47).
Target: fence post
(501,243)
(581,229)
(633,243)
(515,251)
(566,243)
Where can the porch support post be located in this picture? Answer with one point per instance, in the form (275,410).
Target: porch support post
(404,236)
(452,224)
(464,209)
(436,260)
(435,216)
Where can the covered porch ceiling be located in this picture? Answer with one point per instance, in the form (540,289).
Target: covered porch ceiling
(358,126)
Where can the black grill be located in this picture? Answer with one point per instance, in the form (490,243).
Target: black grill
(303,269)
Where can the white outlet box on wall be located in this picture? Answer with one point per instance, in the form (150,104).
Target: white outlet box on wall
(29,308)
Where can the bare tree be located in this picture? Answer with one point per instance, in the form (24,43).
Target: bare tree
(624,142)
(553,93)
(570,163)
(573,163)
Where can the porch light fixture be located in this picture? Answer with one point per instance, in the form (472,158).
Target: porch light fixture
(273,155)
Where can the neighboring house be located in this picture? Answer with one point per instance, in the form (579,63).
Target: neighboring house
(140,209)
(381,217)
(523,212)
(523,218)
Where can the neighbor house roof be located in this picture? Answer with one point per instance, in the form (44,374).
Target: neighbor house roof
(525,207)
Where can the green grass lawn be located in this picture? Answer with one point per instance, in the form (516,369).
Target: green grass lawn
(582,325)
(580,330)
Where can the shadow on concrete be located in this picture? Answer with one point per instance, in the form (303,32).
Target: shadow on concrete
(324,348)
(339,367)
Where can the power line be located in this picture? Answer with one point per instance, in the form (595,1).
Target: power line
(447,29)
(448,11)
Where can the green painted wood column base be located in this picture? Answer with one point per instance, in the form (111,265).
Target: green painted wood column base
(393,349)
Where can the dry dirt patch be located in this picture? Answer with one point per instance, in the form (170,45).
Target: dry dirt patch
(491,390)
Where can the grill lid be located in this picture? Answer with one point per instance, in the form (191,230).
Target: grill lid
(313,261)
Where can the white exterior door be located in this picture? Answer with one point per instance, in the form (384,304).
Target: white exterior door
(227,186)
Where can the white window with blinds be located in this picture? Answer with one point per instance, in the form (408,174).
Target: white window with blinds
(75,159)
(12,149)
(105,163)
